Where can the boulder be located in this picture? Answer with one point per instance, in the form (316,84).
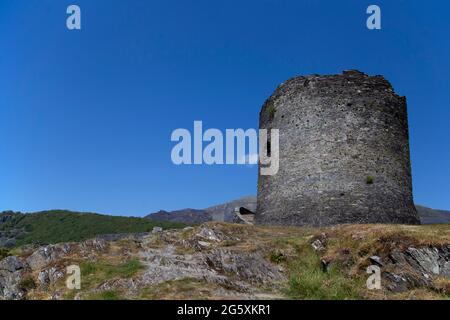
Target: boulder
(11,264)
(11,272)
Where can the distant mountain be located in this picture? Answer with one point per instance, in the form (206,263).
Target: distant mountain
(221,212)
(225,212)
(432,216)
(56,226)
(189,216)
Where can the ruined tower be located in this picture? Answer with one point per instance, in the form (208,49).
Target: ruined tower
(344,153)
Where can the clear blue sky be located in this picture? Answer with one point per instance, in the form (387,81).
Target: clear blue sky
(86,116)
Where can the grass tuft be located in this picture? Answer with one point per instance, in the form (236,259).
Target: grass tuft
(277,257)
(4,253)
(96,273)
(105,295)
(369,180)
(27,283)
(271,110)
(309,281)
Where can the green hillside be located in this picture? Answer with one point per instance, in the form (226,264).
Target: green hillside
(65,226)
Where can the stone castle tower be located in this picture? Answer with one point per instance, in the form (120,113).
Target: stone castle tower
(344,153)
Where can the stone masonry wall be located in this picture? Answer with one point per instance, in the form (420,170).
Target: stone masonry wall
(344,153)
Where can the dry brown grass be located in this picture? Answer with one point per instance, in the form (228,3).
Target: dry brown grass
(183,289)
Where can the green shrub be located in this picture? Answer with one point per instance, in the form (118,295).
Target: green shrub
(27,283)
(95,273)
(106,295)
(369,179)
(3,253)
(271,110)
(128,269)
(277,257)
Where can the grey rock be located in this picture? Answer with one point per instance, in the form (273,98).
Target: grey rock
(11,264)
(251,267)
(96,245)
(376,260)
(157,229)
(416,267)
(11,271)
(204,244)
(318,245)
(208,234)
(426,258)
(396,283)
(130,285)
(46,255)
(44,278)
(397,257)
(234,271)
(50,276)
(120,236)
(57,295)
(10,285)
(41,257)
(166,264)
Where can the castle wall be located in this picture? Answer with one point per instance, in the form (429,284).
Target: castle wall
(344,153)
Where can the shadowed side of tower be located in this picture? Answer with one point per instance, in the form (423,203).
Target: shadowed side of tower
(344,153)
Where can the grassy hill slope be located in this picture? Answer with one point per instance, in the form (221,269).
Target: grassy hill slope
(66,226)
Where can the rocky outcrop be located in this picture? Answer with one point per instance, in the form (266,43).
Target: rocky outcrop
(404,264)
(415,267)
(43,266)
(229,261)
(11,274)
(49,276)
